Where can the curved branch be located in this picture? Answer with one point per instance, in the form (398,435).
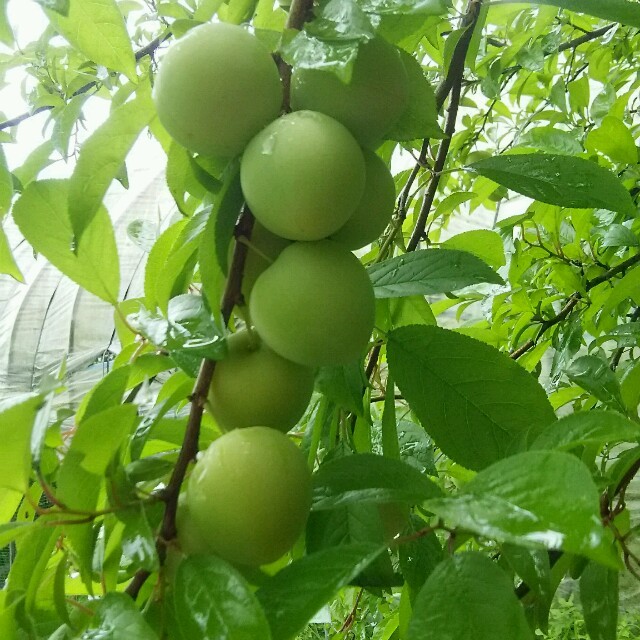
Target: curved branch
(147,50)
(572,302)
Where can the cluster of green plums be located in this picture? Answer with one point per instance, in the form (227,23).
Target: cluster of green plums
(318,191)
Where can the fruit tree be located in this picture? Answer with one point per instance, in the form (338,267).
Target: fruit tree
(318,318)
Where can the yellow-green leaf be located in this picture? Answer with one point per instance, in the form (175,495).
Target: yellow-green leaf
(97,29)
(101,158)
(42,217)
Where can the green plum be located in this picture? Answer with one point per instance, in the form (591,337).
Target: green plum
(374,212)
(248,497)
(254,385)
(264,248)
(216,87)
(303,176)
(315,304)
(370,103)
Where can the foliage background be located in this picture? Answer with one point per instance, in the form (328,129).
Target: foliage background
(524,124)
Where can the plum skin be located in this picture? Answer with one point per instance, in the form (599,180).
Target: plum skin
(254,385)
(303,176)
(370,104)
(216,87)
(373,213)
(248,497)
(315,304)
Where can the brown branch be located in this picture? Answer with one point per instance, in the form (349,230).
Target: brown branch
(441,160)
(451,84)
(587,37)
(571,45)
(147,50)
(573,301)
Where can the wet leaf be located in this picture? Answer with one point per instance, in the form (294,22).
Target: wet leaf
(534,499)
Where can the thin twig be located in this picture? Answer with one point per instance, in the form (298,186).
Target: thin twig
(572,302)
(147,50)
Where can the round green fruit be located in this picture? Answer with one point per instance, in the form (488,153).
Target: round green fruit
(254,385)
(248,497)
(216,87)
(264,248)
(369,104)
(374,212)
(303,176)
(315,304)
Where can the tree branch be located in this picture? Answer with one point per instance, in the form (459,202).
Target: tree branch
(573,301)
(147,50)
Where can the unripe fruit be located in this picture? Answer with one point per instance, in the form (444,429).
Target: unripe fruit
(315,304)
(374,212)
(216,88)
(249,496)
(370,103)
(254,385)
(264,248)
(303,176)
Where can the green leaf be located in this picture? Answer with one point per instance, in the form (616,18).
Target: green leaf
(599,599)
(138,540)
(98,31)
(293,596)
(8,263)
(11,531)
(212,600)
(614,139)
(561,180)
(476,403)
(552,140)
(482,243)
(41,215)
(356,523)
(188,327)
(6,181)
(533,566)
(16,423)
(595,376)
(468,596)
(419,556)
(99,437)
(65,122)
(6,33)
(590,428)
(341,20)
(366,477)
(344,385)
(544,499)
(617,235)
(420,118)
(406,7)
(622,11)
(101,158)
(223,217)
(30,564)
(117,618)
(59,6)
(107,393)
(429,271)
(306,52)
